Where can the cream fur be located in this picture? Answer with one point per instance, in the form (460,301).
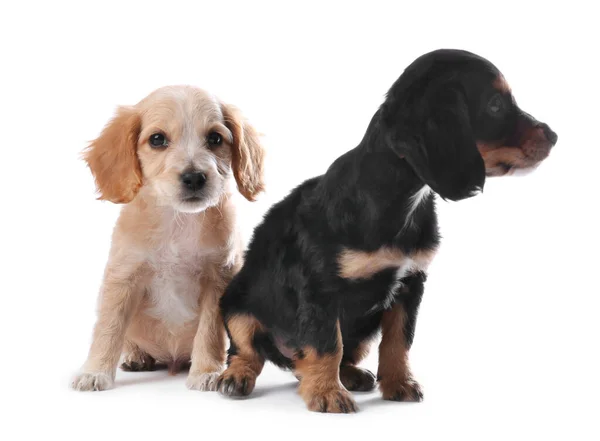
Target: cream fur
(170,260)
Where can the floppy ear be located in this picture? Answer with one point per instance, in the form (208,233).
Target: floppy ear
(247,153)
(442,149)
(113,159)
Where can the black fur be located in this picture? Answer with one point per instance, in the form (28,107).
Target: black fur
(425,133)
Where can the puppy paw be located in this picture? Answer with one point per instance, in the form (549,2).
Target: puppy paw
(138,361)
(206,381)
(332,401)
(357,379)
(401,390)
(92,381)
(236,382)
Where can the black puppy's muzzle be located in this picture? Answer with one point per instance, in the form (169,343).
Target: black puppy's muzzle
(528,127)
(551,136)
(529,145)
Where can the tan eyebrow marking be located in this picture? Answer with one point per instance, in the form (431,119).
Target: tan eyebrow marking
(501,84)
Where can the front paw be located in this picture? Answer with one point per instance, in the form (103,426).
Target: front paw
(332,401)
(203,381)
(92,381)
(406,389)
(236,382)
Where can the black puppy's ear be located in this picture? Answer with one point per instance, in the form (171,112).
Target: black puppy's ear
(440,146)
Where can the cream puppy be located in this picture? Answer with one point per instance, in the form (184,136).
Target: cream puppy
(172,159)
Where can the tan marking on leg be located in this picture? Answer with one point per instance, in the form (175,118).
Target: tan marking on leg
(320,385)
(395,379)
(355,264)
(242,329)
(246,365)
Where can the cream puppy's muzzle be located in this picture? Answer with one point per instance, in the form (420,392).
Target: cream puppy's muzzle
(185,149)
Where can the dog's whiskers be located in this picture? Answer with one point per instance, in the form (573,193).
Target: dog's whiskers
(178,220)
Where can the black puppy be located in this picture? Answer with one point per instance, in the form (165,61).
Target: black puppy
(345,254)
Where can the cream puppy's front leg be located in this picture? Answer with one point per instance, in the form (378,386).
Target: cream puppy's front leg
(208,352)
(119,297)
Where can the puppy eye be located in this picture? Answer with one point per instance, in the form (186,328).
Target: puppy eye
(158,140)
(496,106)
(214,139)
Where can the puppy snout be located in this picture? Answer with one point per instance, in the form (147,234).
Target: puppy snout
(549,134)
(193,181)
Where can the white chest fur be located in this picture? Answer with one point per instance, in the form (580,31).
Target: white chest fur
(176,264)
(409,266)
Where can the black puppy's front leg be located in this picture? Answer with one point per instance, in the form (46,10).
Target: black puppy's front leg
(397,328)
(316,361)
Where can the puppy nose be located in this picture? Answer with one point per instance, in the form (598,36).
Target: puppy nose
(549,134)
(193,180)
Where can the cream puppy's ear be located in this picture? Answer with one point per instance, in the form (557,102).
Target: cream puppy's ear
(113,159)
(247,153)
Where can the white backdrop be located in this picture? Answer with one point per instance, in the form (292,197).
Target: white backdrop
(506,344)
